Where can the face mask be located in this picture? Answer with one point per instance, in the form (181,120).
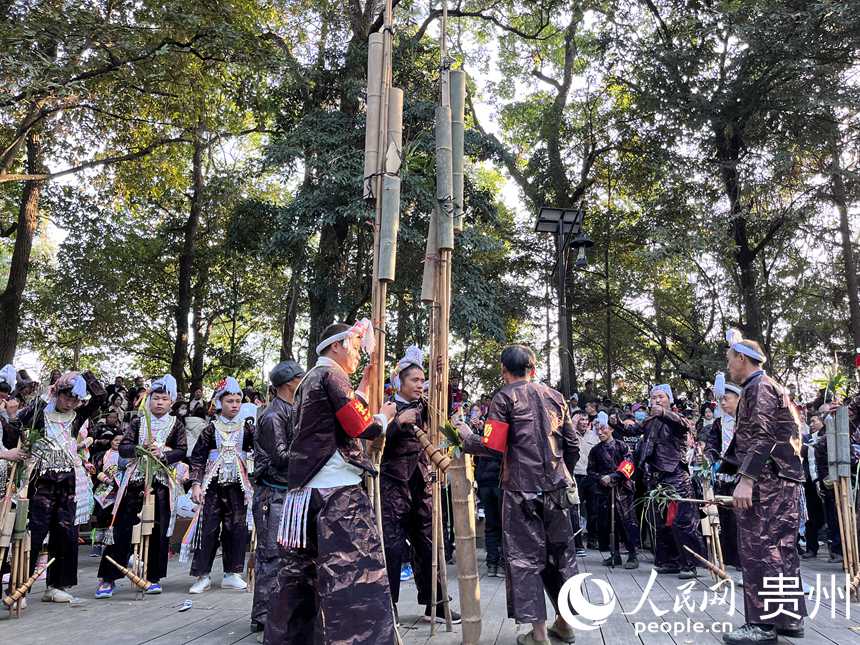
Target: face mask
(640,415)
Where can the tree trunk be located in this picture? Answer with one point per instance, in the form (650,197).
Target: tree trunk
(186,265)
(28,218)
(839,198)
(324,291)
(729,142)
(288,329)
(200,327)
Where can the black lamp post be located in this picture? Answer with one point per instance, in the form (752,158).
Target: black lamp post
(566,225)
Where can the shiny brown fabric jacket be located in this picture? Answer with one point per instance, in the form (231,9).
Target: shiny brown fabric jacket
(329,417)
(542,446)
(766,431)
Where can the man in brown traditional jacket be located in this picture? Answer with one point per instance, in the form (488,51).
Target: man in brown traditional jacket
(530,424)
(766,450)
(333,586)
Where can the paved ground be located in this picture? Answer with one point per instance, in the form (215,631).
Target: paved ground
(221,617)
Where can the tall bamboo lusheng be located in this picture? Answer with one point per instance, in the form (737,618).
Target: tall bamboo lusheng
(436,289)
(382,158)
(435,454)
(21,590)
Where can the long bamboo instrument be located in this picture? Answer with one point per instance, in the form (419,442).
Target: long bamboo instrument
(709,565)
(382,186)
(136,580)
(22,589)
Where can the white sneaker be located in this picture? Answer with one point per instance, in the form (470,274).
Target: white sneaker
(203,583)
(233,581)
(56,595)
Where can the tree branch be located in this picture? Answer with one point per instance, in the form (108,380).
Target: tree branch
(129,156)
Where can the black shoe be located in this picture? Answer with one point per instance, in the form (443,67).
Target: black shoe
(808,555)
(670,570)
(591,544)
(632,562)
(792,630)
(492,570)
(835,558)
(440,615)
(257,627)
(688,574)
(612,561)
(750,635)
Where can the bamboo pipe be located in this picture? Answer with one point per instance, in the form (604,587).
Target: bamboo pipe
(463,498)
(437,457)
(709,565)
(22,590)
(842,520)
(458,117)
(139,582)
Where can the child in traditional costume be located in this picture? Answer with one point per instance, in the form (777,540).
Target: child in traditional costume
(61,491)
(223,491)
(162,436)
(108,478)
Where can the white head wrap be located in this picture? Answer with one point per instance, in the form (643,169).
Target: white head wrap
(735,389)
(8,375)
(602,419)
(364,328)
(228,386)
(734,338)
(666,389)
(413,356)
(167,384)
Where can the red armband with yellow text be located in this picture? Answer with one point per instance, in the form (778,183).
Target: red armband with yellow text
(495,435)
(626,468)
(354,417)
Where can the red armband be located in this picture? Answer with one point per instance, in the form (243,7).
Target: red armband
(626,468)
(495,435)
(354,417)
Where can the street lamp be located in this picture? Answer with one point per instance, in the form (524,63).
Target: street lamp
(564,223)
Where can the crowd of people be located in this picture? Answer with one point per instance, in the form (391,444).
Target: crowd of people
(554,478)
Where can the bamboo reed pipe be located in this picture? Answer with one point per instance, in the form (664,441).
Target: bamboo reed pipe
(22,590)
(374,103)
(467,560)
(458,117)
(435,454)
(131,575)
(709,565)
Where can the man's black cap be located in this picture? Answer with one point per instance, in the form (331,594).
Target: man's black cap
(284,372)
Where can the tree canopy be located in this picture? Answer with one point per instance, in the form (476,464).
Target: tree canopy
(181,185)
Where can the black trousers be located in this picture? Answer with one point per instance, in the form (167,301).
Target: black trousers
(407,509)
(815,520)
(127,517)
(52,515)
(268,558)
(832,521)
(491,500)
(223,520)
